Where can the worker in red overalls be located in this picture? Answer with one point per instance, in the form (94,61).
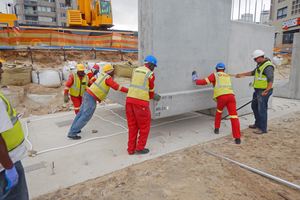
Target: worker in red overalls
(91,73)
(138,114)
(224,96)
(76,86)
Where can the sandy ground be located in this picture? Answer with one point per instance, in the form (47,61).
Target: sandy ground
(193,174)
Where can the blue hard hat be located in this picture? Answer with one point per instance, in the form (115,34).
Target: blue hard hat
(151,59)
(220,66)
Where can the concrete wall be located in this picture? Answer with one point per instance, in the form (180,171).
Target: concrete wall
(195,35)
(291,89)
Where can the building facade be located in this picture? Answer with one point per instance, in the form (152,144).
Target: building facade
(247,17)
(42,12)
(285,16)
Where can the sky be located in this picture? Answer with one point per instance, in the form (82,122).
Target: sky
(125,12)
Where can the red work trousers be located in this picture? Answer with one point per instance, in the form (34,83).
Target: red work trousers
(76,102)
(138,120)
(228,101)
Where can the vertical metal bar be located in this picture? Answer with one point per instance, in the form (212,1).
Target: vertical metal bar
(95,53)
(30,55)
(232,11)
(239,9)
(64,54)
(245,10)
(262,1)
(255,11)
(50,34)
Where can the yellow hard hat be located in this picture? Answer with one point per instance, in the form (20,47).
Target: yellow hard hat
(107,67)
(80,67)
(2,60)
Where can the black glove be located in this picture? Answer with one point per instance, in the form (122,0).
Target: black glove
(156,97)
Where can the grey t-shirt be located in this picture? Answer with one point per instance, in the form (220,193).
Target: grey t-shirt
(268,71)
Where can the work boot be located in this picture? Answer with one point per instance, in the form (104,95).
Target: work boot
(259,132)
(216,131)
(253,126)
(75,137)
(238,141)
(79,131)
(143,151)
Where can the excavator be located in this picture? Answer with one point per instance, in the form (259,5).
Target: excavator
(90,15)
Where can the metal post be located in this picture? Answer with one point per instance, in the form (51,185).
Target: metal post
(121,55)
(64,54)
(256,171)
(50,34)
(30,55)
(95,54)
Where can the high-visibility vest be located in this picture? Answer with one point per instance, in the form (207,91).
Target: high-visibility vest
(14,136)
(99,87)
(139,86)
(260,80)
(78,87)
(223,85)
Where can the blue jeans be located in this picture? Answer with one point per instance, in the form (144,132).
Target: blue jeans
(260,109)
(84,115)
(20,191)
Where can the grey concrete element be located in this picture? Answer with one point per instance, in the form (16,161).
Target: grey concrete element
(196,40)
(34,167)
(292,88)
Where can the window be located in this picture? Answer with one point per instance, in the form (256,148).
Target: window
(281,13)
(63,24)
(280,1)
(292,12)
(62,5)
(63,14)
(294,2)
(47,19)
(49,0)
(105,8)
(33,18)
(46,9)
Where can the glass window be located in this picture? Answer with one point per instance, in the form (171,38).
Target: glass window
(46,9)
(63,14)
(62,5)
(281,13)
(63,24)
(292,12)
(280,1)
(293,2)
(105,8)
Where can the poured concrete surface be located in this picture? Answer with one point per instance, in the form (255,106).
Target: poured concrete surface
(101,153)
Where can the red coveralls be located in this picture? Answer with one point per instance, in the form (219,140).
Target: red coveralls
(227,100)
(91,76)
(76,100)
(139,119)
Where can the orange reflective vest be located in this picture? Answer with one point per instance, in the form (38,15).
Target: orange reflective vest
(78,87)
(223,85)
(139,86)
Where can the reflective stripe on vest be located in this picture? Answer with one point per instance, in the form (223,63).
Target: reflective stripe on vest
(260,80)
(99,87)
(77,88)
(93,79)
(139,87)
(14,136)
(222,86)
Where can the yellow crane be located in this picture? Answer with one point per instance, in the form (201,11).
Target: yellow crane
(89,14)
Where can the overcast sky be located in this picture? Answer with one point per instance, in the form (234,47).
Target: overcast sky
(125,12)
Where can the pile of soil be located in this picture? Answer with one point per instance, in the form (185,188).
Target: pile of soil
(193,174)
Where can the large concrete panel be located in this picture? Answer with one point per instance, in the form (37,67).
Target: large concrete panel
(291,89)
(196,35)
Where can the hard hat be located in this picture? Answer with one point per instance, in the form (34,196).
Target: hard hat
(80,67)
(107,67)
(151,59)
(220,66)
(96,67)
(2,60)
(257,53)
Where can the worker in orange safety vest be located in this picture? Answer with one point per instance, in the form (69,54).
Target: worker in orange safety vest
(76,86)
(91,73)
(224,96)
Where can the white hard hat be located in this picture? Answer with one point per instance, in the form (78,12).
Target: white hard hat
(257,53)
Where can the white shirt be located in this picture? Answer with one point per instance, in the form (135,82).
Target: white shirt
(5,124)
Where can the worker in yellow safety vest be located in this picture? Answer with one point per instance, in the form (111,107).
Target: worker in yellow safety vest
(76,86)
(97,92)
(263,89)
(12,150)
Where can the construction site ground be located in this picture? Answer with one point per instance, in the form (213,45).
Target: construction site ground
(176,167)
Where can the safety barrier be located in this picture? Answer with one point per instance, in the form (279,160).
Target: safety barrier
(283,48)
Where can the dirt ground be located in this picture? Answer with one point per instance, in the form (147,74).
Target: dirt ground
(193,174)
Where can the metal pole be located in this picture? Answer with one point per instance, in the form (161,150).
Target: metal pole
(255,11)
(239,9)
(260,11)
(256,171)
(30,55)
(245,10)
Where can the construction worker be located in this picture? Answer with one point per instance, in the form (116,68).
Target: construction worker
(97,92)
(91,73)
(263,89)
(76,86)
(138,114)
(224,96)
(12,150)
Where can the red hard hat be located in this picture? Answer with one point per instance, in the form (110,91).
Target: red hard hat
(96,67)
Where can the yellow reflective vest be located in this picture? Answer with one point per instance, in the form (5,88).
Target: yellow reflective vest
(260,80)
(78,87)
(14,136)
(99,87)
(139,86)
(223,85)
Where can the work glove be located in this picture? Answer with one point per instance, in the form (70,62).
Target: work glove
(66,98)
(194,75)
(156,97)
(12,177)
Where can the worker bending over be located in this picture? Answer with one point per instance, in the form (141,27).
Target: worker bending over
(76,86)
(224,96)
(138,114)
(97,92)
(91,73)
(263,88)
